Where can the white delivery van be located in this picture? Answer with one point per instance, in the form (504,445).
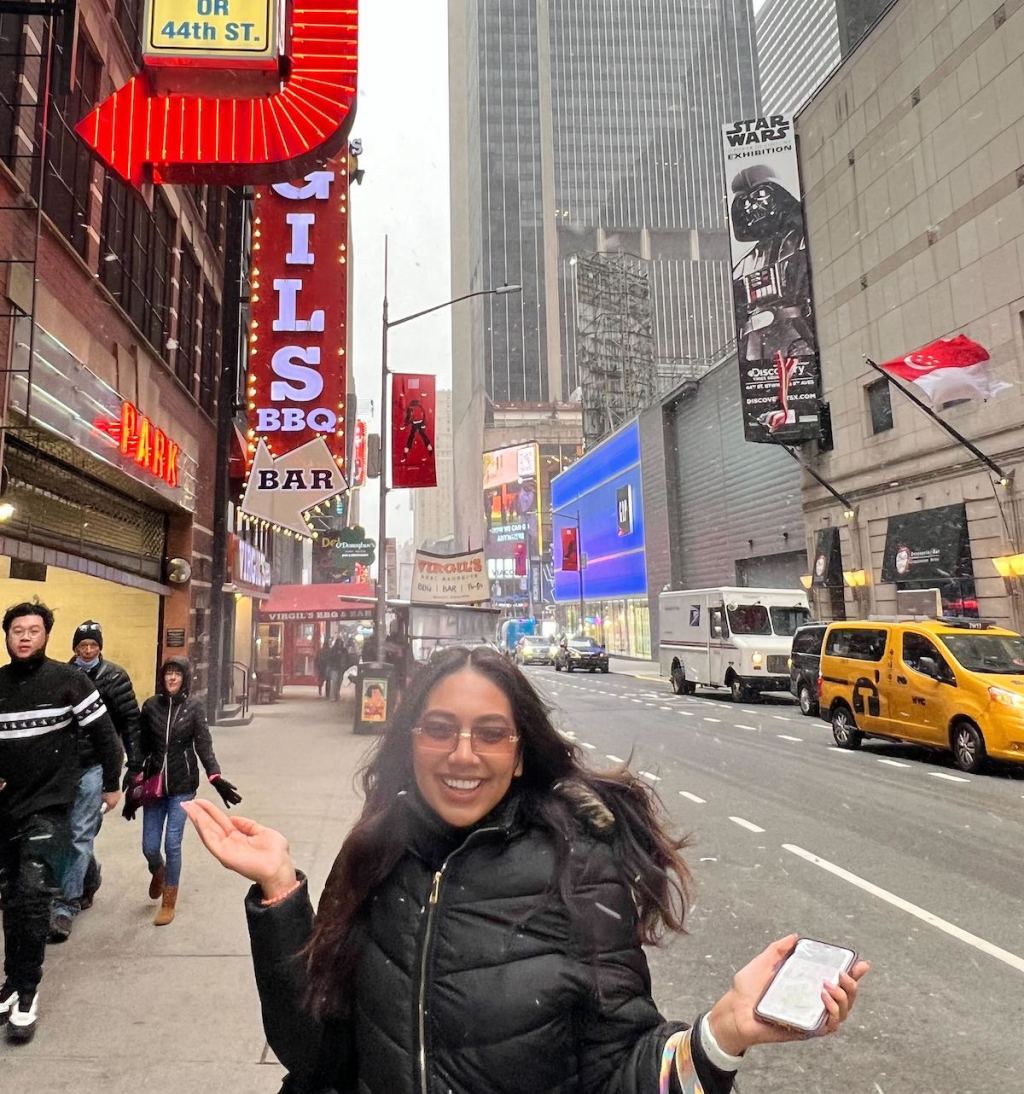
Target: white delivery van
(732,638)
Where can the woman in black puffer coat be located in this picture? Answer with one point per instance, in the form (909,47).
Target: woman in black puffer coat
(482,928)
(175,739)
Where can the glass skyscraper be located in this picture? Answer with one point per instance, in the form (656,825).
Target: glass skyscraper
(591,126)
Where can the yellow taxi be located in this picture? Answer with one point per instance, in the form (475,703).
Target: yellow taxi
(955,684)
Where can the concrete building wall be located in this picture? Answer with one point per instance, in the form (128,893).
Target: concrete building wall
(911,161)
(734,507)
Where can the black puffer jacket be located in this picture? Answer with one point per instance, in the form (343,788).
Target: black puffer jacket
(115,688)
(516,992)
(180,720)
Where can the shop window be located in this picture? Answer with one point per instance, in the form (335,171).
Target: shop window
(209,365)
(68,172)
(12,59)
(879,406)
(135,256)
(185,363)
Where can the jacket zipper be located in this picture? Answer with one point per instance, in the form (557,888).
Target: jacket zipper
(432,902)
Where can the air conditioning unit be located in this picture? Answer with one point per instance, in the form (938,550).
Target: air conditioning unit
(925,603)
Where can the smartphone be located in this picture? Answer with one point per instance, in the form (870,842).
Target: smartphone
(793,998)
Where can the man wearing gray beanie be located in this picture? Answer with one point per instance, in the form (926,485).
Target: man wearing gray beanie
(81,876)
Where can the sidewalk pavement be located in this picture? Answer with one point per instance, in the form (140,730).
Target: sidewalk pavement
(642,670)
(125,1006)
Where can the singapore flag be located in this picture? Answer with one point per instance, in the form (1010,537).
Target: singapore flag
(948,370)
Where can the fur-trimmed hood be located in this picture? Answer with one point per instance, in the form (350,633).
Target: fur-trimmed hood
(589,809)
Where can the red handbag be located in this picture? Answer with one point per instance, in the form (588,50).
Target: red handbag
(152,789)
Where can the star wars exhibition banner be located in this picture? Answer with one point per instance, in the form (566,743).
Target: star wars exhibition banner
(780,376)
(412,431)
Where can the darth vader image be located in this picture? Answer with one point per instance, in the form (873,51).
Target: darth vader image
(771,288)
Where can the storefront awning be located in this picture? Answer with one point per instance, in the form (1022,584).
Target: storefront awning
(828,559)
(931,545)
(318,603)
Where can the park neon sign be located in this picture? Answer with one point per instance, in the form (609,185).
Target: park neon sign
(140,441)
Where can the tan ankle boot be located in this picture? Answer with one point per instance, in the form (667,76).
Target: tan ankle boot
(156,883)
(165,913)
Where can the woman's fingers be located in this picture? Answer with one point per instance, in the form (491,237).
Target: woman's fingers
(244,825)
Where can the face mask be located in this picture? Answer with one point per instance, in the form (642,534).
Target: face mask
(83,664)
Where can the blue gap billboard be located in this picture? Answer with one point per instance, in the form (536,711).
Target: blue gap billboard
(604,488)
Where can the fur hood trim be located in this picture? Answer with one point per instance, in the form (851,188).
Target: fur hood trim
(589,809)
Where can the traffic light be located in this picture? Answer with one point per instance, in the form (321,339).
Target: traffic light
(519,556)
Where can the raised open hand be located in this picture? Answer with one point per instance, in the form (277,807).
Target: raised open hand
(735,1025)
(237,843)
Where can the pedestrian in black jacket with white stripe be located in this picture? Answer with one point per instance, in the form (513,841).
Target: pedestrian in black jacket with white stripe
(44,706)
(482,928)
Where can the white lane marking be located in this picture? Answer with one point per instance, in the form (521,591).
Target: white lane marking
(840,751)
(779,718)
(640,701)
(651,705)
(692,797)
(707,719)
(753,729)
(745,711)
(786,737)
(746,824)
(930,918)
(690,714)
(893,763)
(588,745)
(614,759)
(664,708)
(951,778)
(649,775)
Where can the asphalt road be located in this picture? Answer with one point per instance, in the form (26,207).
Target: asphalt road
(889,850)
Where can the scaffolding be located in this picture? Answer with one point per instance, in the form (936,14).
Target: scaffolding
(614,340)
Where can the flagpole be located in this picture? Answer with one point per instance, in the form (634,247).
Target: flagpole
(1005,478)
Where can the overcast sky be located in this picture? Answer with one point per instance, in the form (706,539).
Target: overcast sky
(402,119)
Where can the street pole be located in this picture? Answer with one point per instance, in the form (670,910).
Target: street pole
(227,387)
(385,440)
(579,566)
(385,436)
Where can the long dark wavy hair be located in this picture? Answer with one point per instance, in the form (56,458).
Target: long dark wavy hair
(650,858)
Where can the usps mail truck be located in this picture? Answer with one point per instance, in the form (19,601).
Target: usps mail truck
(732,638)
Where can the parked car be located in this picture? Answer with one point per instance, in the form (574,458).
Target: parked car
(533,649)
(804,664)
(580,653)
(952,684)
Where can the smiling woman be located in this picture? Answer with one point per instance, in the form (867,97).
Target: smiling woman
(483,925)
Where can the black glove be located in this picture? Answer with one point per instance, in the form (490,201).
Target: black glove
(228,791)
(130,807)
(130,777)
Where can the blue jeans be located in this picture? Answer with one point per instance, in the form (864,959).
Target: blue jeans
(166,811)
(84,823)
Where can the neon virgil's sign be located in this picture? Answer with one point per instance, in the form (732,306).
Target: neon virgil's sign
(296,375)
(138,439)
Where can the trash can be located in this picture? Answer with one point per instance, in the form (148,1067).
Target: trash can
(376,697)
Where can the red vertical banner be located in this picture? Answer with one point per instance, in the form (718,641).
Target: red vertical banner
(358,476)
(412,431)
(297,328)
(519,559)
(570,549)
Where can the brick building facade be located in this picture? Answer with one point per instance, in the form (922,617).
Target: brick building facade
(126,310)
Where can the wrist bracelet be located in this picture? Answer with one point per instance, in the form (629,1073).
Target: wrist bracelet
(269,902)
(723,1060)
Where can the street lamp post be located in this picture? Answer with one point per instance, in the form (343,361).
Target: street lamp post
(579,561)
(386,325)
